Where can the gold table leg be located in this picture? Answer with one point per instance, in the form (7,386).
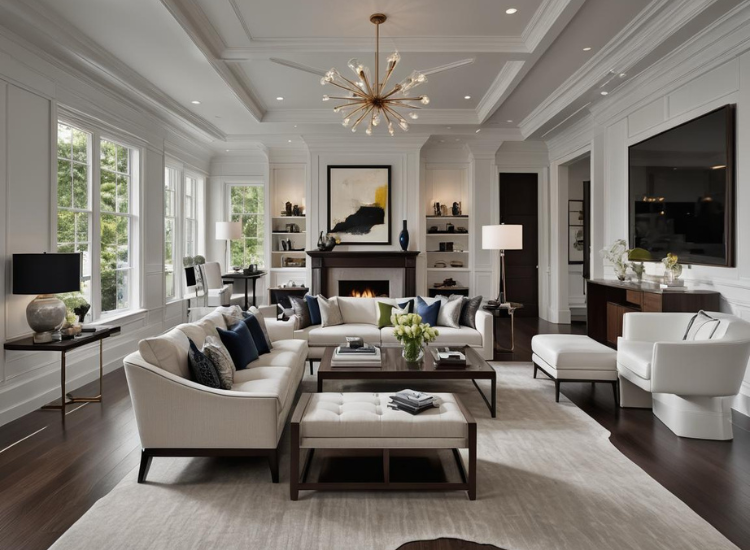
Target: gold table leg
(66,398)
(512,347)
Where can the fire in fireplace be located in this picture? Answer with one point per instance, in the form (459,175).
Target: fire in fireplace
(364,289)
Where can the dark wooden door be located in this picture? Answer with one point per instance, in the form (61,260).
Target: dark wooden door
(519,205)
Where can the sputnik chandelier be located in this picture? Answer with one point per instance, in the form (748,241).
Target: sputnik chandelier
(365,100)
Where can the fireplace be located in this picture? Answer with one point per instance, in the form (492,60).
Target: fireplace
(364,289)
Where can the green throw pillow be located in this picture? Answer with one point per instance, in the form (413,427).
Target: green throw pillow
(386,310)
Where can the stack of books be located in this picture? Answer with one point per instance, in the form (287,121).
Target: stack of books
(413,402)
(448,359)
(366,355)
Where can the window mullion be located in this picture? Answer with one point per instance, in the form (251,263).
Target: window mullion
(96,248)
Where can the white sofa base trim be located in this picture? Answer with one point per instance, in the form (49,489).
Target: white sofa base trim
(695,417)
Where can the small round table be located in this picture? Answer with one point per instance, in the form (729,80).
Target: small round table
(511,308)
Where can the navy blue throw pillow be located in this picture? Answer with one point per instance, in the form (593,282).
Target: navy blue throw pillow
(428,313)
(203,370)
(257,333)
(408,306)
(239,342)
(314,307)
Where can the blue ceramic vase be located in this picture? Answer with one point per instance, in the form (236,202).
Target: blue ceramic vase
(403,238)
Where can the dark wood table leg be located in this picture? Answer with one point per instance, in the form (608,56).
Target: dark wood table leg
(320,383)
(472,461)
(294,469)
(255,279)
(491,403)
(494,396)
(246,302)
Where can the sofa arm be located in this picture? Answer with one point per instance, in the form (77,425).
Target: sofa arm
(280,330)
(485,326)
(708,368)
(655,327)
(172,412)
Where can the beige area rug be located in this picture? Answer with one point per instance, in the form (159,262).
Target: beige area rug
(548,479)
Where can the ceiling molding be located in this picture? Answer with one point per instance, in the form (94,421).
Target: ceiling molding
(638,38)
(543,20)
(402,144)
(65,47)
(327,116)
(483,149)
(270,47)
(203,34)
(499,90)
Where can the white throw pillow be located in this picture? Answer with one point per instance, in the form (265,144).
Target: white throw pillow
(218,354)
(701,327)
(330,312)
(232,315)
(450,311)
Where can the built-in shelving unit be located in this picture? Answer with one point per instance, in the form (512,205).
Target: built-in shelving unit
(288,185)
(460,253)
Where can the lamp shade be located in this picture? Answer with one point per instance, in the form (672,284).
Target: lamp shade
(502,237)
(46,273)
(228,231)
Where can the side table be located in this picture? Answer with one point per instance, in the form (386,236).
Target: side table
(511,308)
(26,343)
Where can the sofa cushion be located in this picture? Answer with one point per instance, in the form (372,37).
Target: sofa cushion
(232,315)
(333,336)
(462,336)
(301,311)
(270,380)
(428,312)
(450,311)
(314,309)
(469,308)
(701,327)
(262,320)
(194,332)
(259,339)
(168,351)
(636,356)
(286,353)
(387,310)
(359,310)
(574,351)
(330,313)
(202,369)
(240,345)
(222,361)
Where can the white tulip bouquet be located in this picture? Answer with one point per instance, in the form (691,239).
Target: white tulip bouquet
(409,329)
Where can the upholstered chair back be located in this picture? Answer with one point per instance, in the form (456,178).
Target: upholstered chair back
(212,272)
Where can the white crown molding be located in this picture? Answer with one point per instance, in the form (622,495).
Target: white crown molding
(642,35)
(199,29)
(544,19)
(402,144)
(499,90)
(65,47)
(575,137)
(483,149)
(327,116)
(725,38)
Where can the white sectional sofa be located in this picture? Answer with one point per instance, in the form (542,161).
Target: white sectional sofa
(361,319)
(179,417)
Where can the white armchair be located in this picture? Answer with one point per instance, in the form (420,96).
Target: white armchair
(219,294)
(689,384)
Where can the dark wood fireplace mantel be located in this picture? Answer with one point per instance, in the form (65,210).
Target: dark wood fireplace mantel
(392,259)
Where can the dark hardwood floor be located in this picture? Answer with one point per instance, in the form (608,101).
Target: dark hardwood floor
(52,472)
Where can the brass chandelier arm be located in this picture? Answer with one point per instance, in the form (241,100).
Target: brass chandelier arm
(400,103)
(356,91)
(369,108)
(355,87)
(337,108)
(353,112)
(394,113)
(395,89)
(388,74)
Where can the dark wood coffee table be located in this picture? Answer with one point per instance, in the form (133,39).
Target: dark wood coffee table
(395,368)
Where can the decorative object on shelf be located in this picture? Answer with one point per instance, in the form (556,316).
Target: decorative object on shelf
(45,275)
(443,210)
(461,229)
(440,264)
(282,242)
(614,255)
(637,256)
(292,261)
(321,242)
(76,302)
(502,237)
(252,268)
(445,247)
(672,269)
(289,244)
(368,100)
(456,209)
(437,209)
(433,229)
(228,231)
(446,283)
(450,228)
(296,210)
(359,204)
(403,238)
(576,240)
(328,243)
(288,208)
(236,268)
(457,263)
(413,334)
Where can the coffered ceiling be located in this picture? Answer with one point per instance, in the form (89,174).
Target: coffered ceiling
(532,68)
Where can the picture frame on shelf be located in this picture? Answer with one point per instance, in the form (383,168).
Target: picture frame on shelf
(359,204)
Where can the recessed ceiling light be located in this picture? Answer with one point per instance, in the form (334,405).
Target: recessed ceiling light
(227,150)
(279,98)
(447,127)
(289,141)
(467,97)
(623,75)
(509,120)
(195,102)
(295,125)
(511,11)
(478,130)
(587,49)
(604,92)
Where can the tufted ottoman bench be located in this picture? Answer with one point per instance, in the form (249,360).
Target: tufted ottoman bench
(364,421)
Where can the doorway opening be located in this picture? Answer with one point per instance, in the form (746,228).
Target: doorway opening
(578,230)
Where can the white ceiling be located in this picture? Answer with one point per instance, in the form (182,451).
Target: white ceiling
(218,52)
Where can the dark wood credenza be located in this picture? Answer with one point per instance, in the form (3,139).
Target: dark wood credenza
(609,301)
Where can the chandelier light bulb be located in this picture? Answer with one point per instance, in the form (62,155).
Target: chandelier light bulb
(424,100)
(376,119)
(390,128)
(326,98)
(323,81)
(404,126)
(413,116)
(337,108)
(346,122)
(353,64)
(421,78)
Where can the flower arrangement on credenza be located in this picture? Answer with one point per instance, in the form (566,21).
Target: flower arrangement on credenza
(413,334)
(672,268)
(614,255)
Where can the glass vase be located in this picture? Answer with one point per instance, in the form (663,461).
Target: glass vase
(412,351)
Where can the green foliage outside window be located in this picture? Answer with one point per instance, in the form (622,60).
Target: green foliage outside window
(247,206)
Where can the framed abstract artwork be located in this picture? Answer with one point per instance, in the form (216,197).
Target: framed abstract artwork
(359,204)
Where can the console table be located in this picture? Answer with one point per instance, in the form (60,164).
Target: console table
(608,301)
(64,346)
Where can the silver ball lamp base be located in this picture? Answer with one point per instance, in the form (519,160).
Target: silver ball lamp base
(45,315)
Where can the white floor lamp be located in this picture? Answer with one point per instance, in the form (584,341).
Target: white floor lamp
(228,231)
(502,237)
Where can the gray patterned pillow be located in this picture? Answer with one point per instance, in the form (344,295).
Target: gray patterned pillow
(301,311)
(469,308)
(232,315)
(219,356)
(450,311)
(203,370)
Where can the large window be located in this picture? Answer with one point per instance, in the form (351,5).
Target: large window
(191,216)
(96,190)
(246,205)
(170,230)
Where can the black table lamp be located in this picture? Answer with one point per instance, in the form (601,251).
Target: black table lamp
(46,275)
